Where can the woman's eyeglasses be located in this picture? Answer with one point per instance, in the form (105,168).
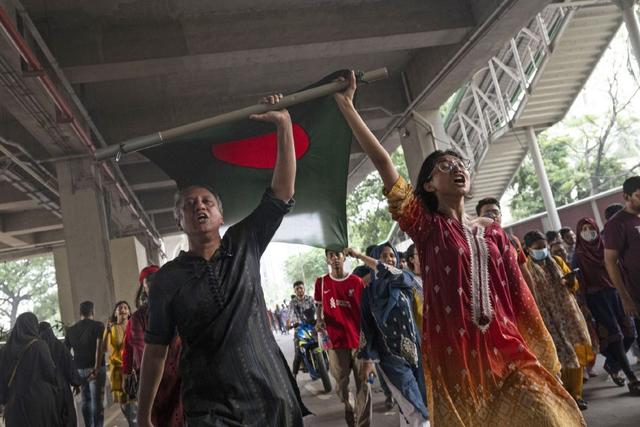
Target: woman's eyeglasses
(446,166)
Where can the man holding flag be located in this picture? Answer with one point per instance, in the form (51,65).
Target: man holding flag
(233,372)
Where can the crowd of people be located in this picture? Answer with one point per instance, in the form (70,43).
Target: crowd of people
(39,373)
(471,326)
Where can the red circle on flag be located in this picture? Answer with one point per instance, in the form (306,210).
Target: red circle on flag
(259,151)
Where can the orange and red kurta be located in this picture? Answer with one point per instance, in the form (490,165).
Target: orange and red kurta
(488,358)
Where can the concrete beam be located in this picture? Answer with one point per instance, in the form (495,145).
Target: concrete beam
(146,176)
(27,222)
(157,201)
(12,199)
(8,254)
(11,241)
(165,223)
(113,49)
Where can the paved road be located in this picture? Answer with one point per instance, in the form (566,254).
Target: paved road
(609,406)
(328,409)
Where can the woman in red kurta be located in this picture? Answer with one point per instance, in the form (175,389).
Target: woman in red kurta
(167,406)
(488,359)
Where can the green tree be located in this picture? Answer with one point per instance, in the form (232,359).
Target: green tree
(587,154)
(28,280)
(369,220)
(306,267)
(571,170)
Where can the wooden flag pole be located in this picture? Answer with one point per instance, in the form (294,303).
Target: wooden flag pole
(148,141)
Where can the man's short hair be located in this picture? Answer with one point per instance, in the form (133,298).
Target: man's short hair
(298,283)
(177,198)
(327,250)
(369,250)
(86,308)
(631,185)
(533,236)
(612,209)
(564,231)
(552,235)
(487,201)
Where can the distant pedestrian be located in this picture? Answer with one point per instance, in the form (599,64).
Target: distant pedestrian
(66,373)
(554,288)
(84,338)
(114,338)
(616,330)
(167,406)
(28,382)
(337,296)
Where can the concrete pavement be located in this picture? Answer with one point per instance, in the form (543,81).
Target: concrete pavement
(609,406)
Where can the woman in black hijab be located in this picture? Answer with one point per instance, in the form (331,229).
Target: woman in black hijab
(28,377)
(66,373)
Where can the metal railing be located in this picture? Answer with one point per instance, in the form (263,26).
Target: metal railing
(494,97)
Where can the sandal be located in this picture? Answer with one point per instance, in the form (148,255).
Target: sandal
(634,388)
(615,376)
(582,404)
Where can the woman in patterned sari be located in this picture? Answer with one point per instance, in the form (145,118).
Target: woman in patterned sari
(554,286)
(489,360)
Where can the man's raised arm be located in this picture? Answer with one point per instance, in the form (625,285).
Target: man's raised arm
(284,173)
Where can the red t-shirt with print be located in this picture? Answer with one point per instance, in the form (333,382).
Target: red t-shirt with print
(340,299)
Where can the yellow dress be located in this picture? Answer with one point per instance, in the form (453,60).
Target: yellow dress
(114,337)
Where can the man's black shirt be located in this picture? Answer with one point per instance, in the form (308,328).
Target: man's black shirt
(231,366)
(82,338)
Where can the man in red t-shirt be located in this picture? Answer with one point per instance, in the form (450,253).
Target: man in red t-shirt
(622,247)
(337,297)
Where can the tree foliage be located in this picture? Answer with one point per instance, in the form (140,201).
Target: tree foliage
(570,172)
(585,155)
(27,281)
(369,220)
(306,267)
(369,223)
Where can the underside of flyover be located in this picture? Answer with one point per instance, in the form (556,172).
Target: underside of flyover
(76,76)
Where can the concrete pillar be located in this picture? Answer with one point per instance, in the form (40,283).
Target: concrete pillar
(69,309)
(596,214)
(86,234)
(631,22)
(543,180)
(423,135)
(128,257)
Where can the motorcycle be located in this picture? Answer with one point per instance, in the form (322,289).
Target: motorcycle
(315,359)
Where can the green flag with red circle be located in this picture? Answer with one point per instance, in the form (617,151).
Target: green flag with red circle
(237,160)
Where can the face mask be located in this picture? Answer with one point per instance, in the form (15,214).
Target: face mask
(589,235)
(539,254)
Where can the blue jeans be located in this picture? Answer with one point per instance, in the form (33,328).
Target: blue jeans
(93,397)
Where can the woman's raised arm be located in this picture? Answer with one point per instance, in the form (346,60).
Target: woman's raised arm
(367,140)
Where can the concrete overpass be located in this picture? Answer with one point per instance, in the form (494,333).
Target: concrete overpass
(76,76)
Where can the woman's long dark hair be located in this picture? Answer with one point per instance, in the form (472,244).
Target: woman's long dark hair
(409,253)
(139,294)
(428,198)
(114,317)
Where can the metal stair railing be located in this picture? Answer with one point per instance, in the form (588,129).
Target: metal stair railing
(495,94)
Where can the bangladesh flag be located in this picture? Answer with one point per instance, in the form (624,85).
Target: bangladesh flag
(237,160)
